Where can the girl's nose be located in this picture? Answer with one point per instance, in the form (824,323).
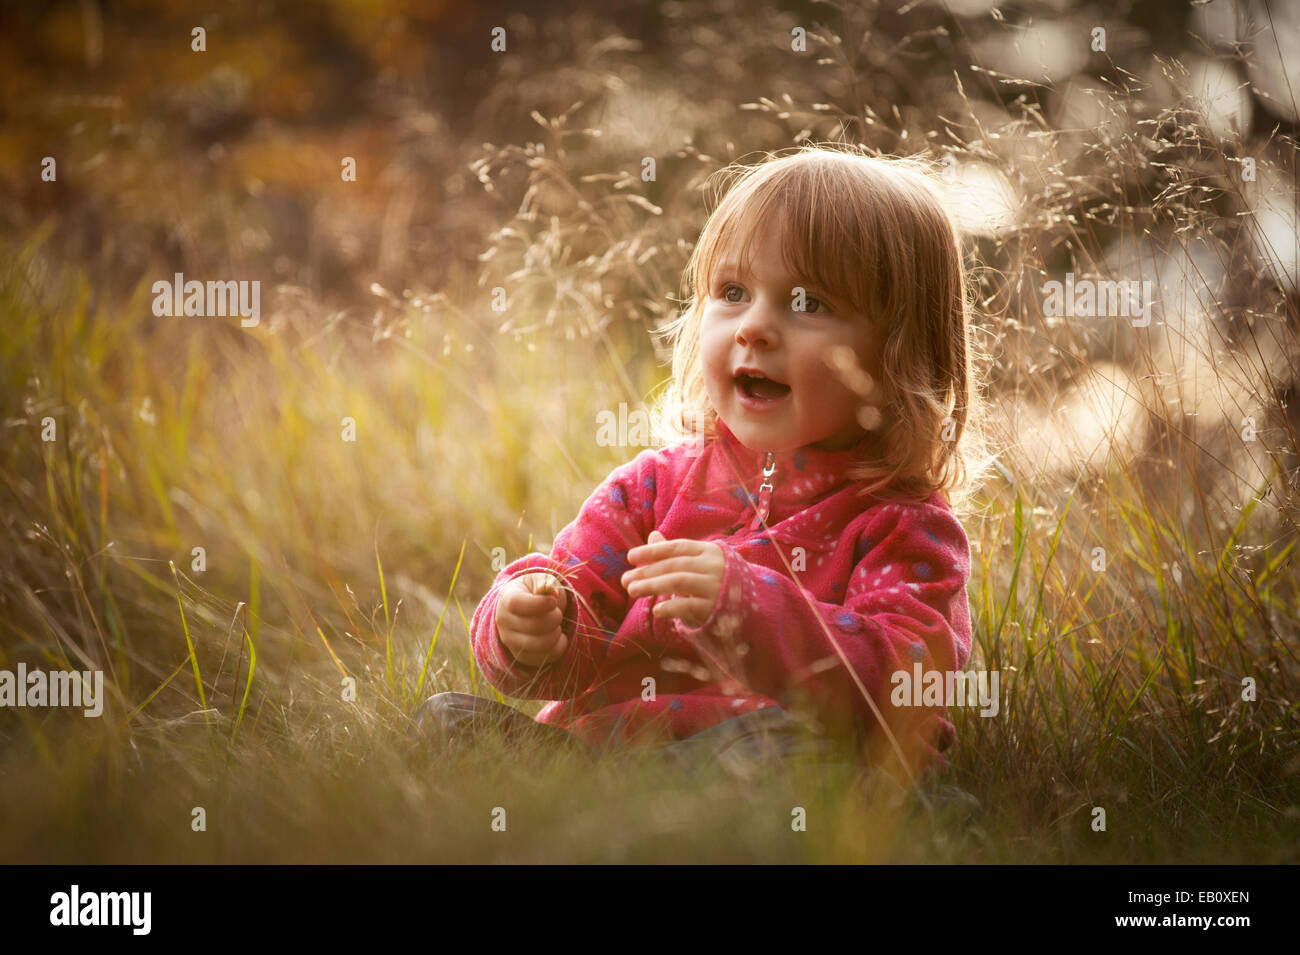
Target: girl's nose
(760,325)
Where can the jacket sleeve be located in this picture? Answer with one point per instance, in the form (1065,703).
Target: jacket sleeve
(590,554)
(905,602)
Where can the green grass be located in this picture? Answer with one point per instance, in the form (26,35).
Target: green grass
(1119,689)
(328,560)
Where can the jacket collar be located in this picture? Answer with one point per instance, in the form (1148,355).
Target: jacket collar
(799,477)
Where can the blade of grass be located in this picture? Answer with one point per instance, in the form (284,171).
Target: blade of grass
(388,625)
(1101,751)
(1051,552)
(424,670)
(337,662)
(473,669)
(254,597)
(248,684)
(148,699)
(1019,538)
(189,642)
(1246,511)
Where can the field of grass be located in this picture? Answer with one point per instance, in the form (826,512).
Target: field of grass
(128,441)
(1120,690)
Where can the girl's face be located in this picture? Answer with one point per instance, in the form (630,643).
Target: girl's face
(750,320)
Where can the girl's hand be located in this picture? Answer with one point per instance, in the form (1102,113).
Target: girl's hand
(530,614)
(690,570)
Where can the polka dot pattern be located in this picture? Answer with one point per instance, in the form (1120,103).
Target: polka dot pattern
(834,576)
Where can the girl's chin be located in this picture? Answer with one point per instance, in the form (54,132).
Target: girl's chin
(761,434)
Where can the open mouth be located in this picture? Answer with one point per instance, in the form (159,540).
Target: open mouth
(761,388)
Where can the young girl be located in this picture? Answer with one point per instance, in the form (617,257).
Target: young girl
(777,569)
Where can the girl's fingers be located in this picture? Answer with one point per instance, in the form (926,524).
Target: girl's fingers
(539,657)
(521,602)
(535,624)
(690,610)
(536,643)
(685,584)
(660,567)
(540,582)
(658,550)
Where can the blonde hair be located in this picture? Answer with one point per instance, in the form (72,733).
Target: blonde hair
(873,230)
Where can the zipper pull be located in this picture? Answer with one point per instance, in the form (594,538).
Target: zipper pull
(764,505)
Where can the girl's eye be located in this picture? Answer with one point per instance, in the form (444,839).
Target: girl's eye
(815,306)
(734,294)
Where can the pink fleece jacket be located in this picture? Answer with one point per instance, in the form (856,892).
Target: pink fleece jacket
(823,600)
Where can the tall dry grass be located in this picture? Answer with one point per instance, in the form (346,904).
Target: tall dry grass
(1122,688)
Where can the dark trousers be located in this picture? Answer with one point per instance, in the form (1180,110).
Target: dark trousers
(746,746)
(740,744)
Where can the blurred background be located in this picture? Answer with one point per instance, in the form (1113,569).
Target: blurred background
(1120,141)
